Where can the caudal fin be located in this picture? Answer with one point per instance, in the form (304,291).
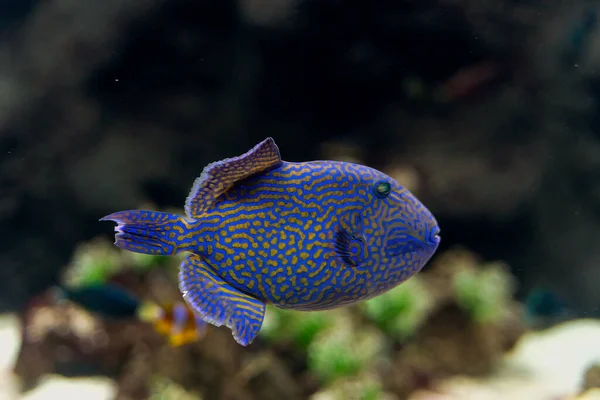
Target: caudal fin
(147,232)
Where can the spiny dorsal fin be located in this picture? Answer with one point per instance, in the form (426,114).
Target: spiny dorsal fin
(218,177)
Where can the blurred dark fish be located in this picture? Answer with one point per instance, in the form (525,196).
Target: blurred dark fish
(299,235)
(177,322)
(108,301)
(544,308)
(469,81)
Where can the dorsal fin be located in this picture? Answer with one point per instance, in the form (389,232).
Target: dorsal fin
(218,177)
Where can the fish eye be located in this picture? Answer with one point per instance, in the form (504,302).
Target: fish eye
(382,189)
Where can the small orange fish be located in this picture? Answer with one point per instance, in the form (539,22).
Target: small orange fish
(175,321)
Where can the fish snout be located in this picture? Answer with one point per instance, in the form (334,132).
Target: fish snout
(434,234)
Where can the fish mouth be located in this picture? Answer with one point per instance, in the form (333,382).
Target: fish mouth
(434,235)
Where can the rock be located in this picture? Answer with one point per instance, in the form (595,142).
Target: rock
(560,355)
(56,387)
(10,340)
(543,365)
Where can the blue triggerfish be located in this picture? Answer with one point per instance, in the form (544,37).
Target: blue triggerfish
(298,235)
(176,321)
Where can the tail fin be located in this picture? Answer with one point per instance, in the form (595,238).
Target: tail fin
(148,232)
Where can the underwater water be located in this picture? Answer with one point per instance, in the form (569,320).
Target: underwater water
(299,199)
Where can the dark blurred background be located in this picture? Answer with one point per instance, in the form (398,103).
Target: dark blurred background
(487,110)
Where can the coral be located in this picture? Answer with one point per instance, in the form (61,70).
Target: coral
(400,311)
(457,317)
(298,328)
(467,323)
(344,350)
(93,262)
(485,292)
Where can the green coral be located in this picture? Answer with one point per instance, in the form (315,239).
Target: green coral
(93,263)
(484,292)
(146,262)
(400,311)
(295,326)
(335,347)
(343,350)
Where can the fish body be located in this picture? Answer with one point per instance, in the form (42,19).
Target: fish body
(301,235)
(544,303)
(306,236)
(543,307)
(177,322)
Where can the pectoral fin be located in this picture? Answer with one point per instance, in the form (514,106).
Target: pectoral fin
(350,243)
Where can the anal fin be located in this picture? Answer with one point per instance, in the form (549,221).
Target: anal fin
(217,302)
